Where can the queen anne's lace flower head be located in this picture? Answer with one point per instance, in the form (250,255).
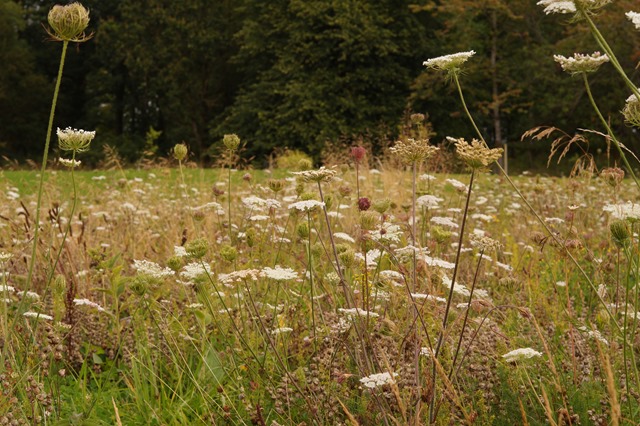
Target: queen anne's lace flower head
(69,22)
(412,151)
(631,111)
(579,63)
(520,354)
(74,140)
(634,17)
(450,63)
(476,154)
(321,175)
(578,7)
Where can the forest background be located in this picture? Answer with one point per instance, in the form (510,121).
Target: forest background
(312,75)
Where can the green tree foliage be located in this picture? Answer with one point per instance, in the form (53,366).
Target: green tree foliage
(21,87)
(301,73)
(165,64)
(317,71)
(513,83)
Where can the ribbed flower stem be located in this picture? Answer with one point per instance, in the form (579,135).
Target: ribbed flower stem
(609,130)
(450,296)
(537,216)
(44,166)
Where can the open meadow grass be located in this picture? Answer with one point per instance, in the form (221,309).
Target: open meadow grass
(344,295)
(161,311)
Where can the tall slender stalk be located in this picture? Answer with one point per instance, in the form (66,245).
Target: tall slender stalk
(535,213)
(45,157)
(609,130)
(450,296)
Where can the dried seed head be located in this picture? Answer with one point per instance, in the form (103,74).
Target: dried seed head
(321,175)
(412,151)
(364,204)
(612,175)
(476,154)
(358,153)
(276,185)
(69,22)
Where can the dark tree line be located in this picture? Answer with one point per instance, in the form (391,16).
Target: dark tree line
(300,73)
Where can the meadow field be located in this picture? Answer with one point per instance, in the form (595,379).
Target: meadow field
(408,280)
(178,296)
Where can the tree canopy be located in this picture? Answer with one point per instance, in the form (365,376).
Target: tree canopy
(300,73)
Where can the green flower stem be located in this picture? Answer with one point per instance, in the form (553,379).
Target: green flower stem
(450,297)
(609,130)
(45,156)
(612,57)
(310,268)
(535,213)
(466,314)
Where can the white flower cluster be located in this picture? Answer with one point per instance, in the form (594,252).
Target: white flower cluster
(74,140)
(194,269)
(357,312)
(378,379)
(87,302)
(634,17)
(278,273)
(563,6)
(70,163)
(152,269)
(594,334)
(520,354)
(556,6)
(629,211)
(428,201)
(449,62)
(38,315)
(444,221)
(238,276)
(306,205)
(579,63)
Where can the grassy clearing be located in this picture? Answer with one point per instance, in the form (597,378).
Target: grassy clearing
(161,312)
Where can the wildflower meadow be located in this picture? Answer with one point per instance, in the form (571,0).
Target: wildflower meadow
(418,284)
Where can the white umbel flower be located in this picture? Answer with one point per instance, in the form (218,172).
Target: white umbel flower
(450,63)
(38,315)
(70,163)
(378,379)
(555,6)
(634,17)
(76,140)
(152,269)
(579,63)
(306,205)
(278,273)
(520,354)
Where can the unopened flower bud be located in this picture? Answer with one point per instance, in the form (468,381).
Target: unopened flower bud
(198,248)
(620,233)
(180,152)
(368,220)
(228,253)
(231,141)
